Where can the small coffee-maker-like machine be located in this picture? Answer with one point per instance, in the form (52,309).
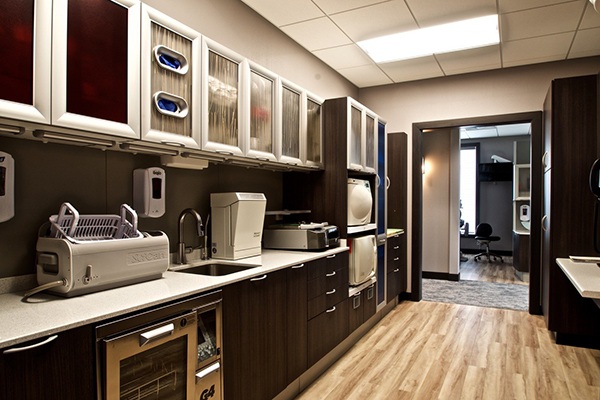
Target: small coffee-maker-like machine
(237,224)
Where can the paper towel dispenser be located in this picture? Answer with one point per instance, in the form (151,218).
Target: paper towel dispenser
(237,224)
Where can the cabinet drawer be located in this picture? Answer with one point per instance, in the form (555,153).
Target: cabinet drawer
(327,283)
(326,300)
(327,330)
(327,265)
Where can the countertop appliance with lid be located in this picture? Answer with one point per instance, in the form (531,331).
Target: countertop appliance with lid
(78,254)
(237,224)
(300,236)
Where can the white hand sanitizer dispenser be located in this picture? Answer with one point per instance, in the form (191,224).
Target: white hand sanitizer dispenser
(7,187)
(149,192)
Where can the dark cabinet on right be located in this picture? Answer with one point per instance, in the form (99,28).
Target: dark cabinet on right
(570,148)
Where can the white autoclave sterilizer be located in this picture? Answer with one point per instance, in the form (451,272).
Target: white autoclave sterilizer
(237,224)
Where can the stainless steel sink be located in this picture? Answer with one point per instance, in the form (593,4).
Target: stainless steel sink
(216,269)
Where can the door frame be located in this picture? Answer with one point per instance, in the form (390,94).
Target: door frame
(420,128)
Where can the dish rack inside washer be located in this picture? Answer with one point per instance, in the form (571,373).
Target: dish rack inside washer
(76,228)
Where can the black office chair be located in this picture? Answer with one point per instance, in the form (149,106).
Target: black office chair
(483,236)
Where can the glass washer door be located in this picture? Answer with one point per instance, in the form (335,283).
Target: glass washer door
(157,362)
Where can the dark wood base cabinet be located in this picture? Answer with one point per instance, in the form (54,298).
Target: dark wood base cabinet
(60,369)
(363,306)
(254,338)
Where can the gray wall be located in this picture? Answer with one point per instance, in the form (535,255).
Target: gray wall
(97,182)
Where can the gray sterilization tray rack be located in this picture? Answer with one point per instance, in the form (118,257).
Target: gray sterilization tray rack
(76,228)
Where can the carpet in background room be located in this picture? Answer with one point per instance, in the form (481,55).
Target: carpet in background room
(477,293)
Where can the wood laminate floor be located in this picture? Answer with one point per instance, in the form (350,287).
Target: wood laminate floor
(495,271)
(427,350)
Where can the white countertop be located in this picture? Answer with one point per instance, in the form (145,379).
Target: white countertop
(46,314)
(585,276)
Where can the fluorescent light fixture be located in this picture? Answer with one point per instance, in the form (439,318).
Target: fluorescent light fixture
(455,36)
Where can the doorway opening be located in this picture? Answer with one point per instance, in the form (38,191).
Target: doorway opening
(534,120)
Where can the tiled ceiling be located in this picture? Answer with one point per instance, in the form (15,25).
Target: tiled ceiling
(531,32)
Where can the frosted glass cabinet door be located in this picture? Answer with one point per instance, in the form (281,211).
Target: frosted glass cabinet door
(96,66)
(355,138)
(314,131)
(170,70)
(25,39)
(262,88)
(370,143)
(291,123)
(222,72)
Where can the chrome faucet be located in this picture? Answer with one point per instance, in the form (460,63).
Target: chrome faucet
(181,242)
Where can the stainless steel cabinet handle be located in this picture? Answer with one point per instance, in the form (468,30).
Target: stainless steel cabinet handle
(544,159)
(396,270)
(396,258)
(332,256)
(332,309)
(331,292)
(156,334)
(387,182)
(33,346)
(208,370)
(224,152)
(172,143)
(396,247)
(331,274)
(544,219)
(260,278)
(298,266)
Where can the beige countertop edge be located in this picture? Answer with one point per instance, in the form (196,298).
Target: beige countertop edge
(46,314)
(584,276)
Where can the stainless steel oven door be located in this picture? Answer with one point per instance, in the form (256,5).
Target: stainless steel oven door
(155,362)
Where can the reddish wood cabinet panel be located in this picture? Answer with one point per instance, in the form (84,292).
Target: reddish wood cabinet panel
(16,47)
(97,59)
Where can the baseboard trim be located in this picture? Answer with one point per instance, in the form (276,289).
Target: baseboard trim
(445,276)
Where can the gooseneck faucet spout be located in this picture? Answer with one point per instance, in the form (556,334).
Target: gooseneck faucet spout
(181,242)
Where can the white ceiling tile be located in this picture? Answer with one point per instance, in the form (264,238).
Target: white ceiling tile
(586,43)
(378,20)
(316,34)
(506,6)
(514,129)
(548,20)
(284,12)
(432,12)
(336,6)
(343,57)
(410,70)
(591,18)
(536,50)
(365,76)
(473,60)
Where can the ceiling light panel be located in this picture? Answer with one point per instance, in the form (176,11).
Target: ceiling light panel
(455,36)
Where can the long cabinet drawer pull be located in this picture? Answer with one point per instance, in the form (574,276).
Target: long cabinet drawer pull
(156,334)
(33,346)
(331,274)
(332,309)
(298,266)
(260,278)
(332,256)
(330,292)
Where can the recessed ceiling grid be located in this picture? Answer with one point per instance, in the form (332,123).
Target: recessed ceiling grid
(531,32)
